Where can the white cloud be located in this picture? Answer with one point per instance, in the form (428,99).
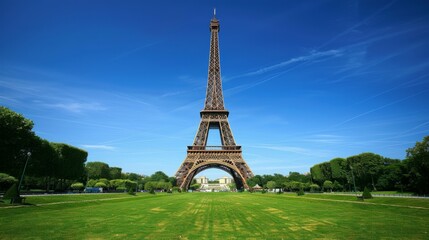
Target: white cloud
(100,147)
(312,56)
(76,107)
(297,150)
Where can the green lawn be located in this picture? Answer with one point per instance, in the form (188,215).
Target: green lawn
(215,216)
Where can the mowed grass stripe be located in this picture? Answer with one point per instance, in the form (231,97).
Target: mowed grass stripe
(213,216)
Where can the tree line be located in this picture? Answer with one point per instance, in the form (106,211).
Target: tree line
(377,172)
(101,175)
(51,165)
(358,172)
(56,166)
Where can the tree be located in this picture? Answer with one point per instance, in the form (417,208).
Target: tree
(96,170)
(16,138)
(314,187)
(321,172)
(339,170)
(158,176)
(271,185)
(299,177)
(366,193)
(150,186)
(328,185)
(367,168)
(117,183)
(77,186)
(71,161)
(257,179)
(195,186)
(91,183)
(296,186)
(100,185)
(6,181)
(173,181)
(44,162)
(336,186)
(12,192)
(392,175)
(418,165)
(130,186)
(115,172)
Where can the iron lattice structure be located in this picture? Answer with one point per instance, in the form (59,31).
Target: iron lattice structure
(227,157)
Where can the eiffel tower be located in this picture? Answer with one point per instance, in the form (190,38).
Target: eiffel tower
(214,116)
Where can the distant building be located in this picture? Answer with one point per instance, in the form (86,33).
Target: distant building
(202,180)
(222,184)
(225,180)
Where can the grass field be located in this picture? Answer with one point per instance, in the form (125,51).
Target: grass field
(215,216)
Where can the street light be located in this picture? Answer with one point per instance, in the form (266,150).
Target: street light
(353,177)
(23,172)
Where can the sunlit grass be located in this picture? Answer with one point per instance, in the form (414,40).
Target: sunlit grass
(215,216)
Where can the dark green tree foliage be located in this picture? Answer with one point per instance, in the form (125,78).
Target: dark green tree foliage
(418,164)
(130,186)
(298,177)
(44,160)
(173,181)
(159,176)
(271,185)
(16,138)
(133,176)
(12,192)
(392,175)
(6,181)
(97,170)
(328,185)
(339,170)
(115,172)
(321,172)
(71,161)
(366,168)
(366,193)
(257,179)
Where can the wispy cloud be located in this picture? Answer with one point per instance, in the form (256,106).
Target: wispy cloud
(76,107)
(313,55)
(296,150)
(99,147)
(379,108)
(358,24)
(324,138)
(132,51)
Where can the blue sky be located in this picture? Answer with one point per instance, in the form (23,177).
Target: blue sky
(304,81)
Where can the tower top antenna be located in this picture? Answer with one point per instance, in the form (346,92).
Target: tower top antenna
(214,12)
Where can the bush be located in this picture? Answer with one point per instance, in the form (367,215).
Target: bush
(130,186)
(12,192)
(100,185)
(6,181)
(300,192)
(77,186)
(314,188)
(366,193)
(131,191)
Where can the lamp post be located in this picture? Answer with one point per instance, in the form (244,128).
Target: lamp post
(353,177)
(23,172)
